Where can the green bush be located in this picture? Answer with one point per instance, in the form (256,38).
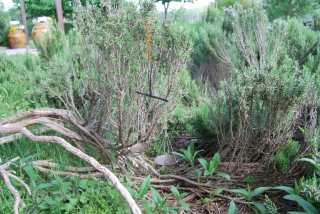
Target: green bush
(4,26)
(106,63)
(284,157)
(259,83)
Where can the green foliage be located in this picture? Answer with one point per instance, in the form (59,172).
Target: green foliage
(226,3)
(159,204)
(105,64)
(55,42)
(309,208)
(270,205)
(4,25)
(189,154)
(287,8)
(36,8)
(19,76)
(79,195)
(232,208)
(285,156)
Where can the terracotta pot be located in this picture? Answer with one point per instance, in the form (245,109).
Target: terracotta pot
(17,39)
(39,31)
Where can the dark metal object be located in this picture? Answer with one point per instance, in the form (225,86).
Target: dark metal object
(152,96)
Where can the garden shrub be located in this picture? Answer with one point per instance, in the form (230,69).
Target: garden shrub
(285,156)
(106,63)
(266,90)
(54,44)
(4,25)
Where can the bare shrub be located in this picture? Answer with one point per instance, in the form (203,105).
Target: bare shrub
(106,64)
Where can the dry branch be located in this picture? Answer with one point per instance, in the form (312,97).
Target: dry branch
(18,123)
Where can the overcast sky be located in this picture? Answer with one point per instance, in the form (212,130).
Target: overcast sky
(173,5)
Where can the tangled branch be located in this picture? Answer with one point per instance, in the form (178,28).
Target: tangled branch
(18,125)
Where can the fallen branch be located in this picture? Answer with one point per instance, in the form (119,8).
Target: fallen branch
(5,174)
(15,125)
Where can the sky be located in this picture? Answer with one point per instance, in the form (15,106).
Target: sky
(173,5)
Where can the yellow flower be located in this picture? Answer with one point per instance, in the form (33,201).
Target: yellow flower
(13,28)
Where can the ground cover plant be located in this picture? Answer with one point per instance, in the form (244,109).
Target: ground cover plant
(254,119)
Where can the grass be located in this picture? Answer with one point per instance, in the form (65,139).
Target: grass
(20,76)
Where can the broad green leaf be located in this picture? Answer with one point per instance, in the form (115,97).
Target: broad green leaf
(175,192)
(164,200)
(187,154)
(214,163)
(259,190)
(31,174)
(144,187)
(133,193)
(242,192)
(206,200)
(285,188)
(46,185)
(294,212)
(155,196)
(225,175)
(180,155)
(232,208)
(309,208)
(218,191)
(195,154)
(146,204)
(206,172)
(204,163)
(191,147)
(184,205)
(260,207)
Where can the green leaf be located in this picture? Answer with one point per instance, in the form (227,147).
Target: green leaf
(260,207)
(180,155)
(144,188)
(175,192)
(24,160)
(83,184)
(204,163)
(259,190)
(133,193)
(146,204)
(232,208)
(187,154)
(225,175)
(46,185)
(155,196)
(206,172)
(191,147)
(206,200)
(309,208)
(285,188)
(293,212)
(184,205)
(218,191)
(214,163)
(31,174)
(242,192)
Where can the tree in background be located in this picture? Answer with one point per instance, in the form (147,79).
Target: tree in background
(288,8)
(226,3)
(166,4)
(36,8)
(4,24)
